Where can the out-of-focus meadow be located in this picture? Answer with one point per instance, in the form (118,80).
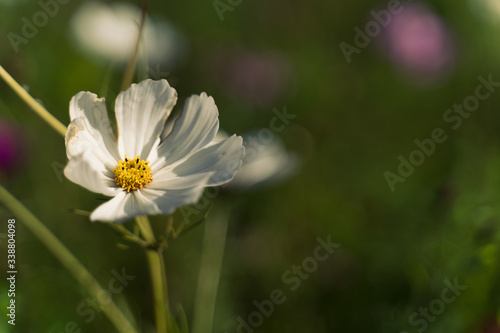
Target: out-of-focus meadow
(392,153)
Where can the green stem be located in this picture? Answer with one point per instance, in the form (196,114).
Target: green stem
(155,268)
(146,230)
(132,61)
(67,259)
(128,235)
(32,103)
(214,238)
(157,271)
(164,279)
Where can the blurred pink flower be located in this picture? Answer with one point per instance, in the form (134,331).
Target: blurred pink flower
(254,77)
(418,43)
(12,148)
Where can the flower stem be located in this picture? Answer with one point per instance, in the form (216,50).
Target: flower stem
(146,230)
(128,235)
(214,238)
(32,103)
(156,264)
(155,267)
(67,259)
(132,61)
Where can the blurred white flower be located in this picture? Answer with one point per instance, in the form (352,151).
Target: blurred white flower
(265,163)
(487,9)
(158,162)
(110,31)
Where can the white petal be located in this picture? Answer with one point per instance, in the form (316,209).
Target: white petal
(88,171)
(168,180)
(141,112)
(195,128)
(220,136)
(168,200)
(222,160)
(169,124)
(125,206)
(90,129)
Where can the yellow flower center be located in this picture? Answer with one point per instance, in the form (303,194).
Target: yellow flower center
(132,174)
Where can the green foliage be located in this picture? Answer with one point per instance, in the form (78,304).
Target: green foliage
(353,121)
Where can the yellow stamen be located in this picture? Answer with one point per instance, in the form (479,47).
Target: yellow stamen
(133,174)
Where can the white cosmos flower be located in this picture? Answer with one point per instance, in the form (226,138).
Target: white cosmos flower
(157,163)
(265,163)
(110,32)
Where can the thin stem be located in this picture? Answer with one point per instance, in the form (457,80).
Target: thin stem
(146,230)
(67,259)
(156,264)
(32,103)
(79,212)
(181,230)
(128,235)
(132,61)
(155,268)
(210,268)
(164,279)
(169,227)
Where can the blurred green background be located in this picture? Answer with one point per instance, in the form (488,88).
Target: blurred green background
(352,122)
